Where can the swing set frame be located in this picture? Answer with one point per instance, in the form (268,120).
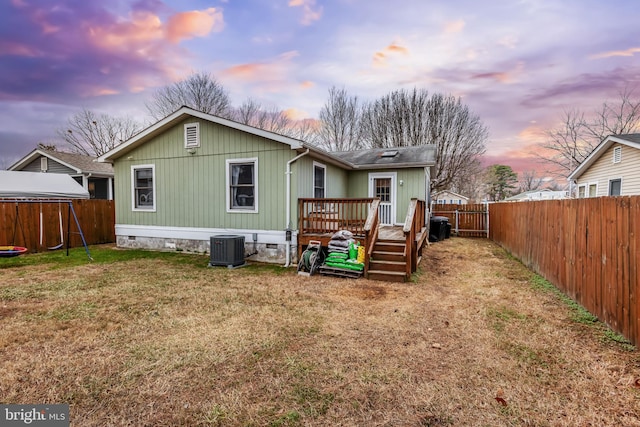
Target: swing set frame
(60,202)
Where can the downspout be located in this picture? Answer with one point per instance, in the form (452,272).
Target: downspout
(288,207)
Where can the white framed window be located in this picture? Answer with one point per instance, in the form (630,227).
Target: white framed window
(593,189)
(582,191)
(143,188)
(242,185)
(191,135)
(319,180)
(44,164)
(615,187)
(617,155)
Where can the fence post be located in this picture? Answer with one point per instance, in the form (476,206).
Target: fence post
(487,209)
(457,222)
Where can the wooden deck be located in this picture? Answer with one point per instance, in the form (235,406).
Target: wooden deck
(319,219)
(385,232)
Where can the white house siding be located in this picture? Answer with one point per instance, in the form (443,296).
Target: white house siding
(604,170)
(449,198)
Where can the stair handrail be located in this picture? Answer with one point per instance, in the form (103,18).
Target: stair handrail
(371,227)
(410,236)
(413,224)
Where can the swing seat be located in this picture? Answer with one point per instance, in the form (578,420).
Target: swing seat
(11,251)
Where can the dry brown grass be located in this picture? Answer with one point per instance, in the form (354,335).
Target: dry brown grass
(151,342)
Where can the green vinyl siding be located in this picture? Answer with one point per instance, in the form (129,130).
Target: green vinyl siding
(336,178)
(413,186)
(191,188)
(302,182)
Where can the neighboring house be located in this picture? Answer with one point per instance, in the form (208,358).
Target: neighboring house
(544,194)
(96,178)
(446,197)
(193,175)
(612,168)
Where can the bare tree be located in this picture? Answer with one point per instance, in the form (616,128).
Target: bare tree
(617,118)
(200,91)
(340,122)
(253,113)
(94,134)
(398,119)
(47,146)
(304,130)
(529,181)
(404,118)
(469,181)
(459,137)
(570,143)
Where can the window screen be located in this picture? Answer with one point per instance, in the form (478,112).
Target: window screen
(242,187)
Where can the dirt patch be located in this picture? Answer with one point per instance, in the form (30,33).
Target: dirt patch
(368,291)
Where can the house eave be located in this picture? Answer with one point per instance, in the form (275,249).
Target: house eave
(34,155)
(597,153)
(169,121)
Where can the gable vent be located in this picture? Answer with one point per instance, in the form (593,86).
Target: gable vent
(44,164)
(191,135)
(617,154)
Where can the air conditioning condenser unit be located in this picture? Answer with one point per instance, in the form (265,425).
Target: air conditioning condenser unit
(227,250)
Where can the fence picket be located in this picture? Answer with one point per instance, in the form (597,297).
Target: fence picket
(588,248)
(96,217)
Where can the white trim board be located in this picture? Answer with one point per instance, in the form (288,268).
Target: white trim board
(192,233)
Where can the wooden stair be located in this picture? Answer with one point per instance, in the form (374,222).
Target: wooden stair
(388,261)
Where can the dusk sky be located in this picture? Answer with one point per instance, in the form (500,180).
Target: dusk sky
(516,64)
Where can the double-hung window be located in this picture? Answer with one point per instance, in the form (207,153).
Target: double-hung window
(143,185)
(319,180)
(615,187)
(582,190)
(242,185)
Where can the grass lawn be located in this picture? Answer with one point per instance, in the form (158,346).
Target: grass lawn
(159,339)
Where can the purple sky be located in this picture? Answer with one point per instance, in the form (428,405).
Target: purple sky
(517,64)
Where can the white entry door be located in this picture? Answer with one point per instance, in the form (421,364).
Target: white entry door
(383,186)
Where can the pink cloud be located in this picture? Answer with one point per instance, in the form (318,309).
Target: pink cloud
(273,70)
(501,76)
(307,84)
(310,12)
(295,114)
(196,23)
(17,49)
(629,52)
(380,57)
(454,26)
(136,34)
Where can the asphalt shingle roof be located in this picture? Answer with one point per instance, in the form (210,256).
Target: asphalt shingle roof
(421,155)
(84,163)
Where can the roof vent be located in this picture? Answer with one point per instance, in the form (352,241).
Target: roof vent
(391,153)
(191,135)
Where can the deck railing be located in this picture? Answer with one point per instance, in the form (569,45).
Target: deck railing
(323,216)
(371,228)
(413,224)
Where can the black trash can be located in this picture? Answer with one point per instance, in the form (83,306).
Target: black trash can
(438,228)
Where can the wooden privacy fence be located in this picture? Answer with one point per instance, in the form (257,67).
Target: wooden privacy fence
(96,218)
(588,248)
(471,220)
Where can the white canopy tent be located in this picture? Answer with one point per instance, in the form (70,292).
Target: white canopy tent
(36,185)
